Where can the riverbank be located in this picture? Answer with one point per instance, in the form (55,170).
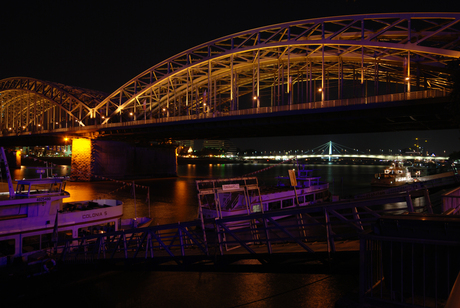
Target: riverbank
(30,161)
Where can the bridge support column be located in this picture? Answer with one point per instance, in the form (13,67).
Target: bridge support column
(119,160)
(80,167)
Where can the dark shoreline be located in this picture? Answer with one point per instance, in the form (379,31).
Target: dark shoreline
(40,161)
(196,161)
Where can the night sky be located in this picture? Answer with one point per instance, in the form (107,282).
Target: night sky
(101,45)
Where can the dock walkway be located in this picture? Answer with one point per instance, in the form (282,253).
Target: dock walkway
(316,230)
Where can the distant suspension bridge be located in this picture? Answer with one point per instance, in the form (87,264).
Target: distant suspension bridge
(332,151)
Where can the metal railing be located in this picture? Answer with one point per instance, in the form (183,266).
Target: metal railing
(415,272)
(451,202)
(168,242)
(250,236)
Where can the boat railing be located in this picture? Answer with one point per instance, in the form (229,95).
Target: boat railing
(317,187)
(38,194)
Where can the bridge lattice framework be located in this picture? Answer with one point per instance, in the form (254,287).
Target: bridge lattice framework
(278,65)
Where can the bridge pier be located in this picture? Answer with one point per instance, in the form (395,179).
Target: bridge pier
(120,160)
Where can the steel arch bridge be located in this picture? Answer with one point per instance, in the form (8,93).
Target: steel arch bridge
(32,105)
(322,59)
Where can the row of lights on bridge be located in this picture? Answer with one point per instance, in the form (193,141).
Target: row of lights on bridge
(164,109)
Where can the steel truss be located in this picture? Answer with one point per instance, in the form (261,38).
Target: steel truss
(279,65)
(285,64)
(29,104)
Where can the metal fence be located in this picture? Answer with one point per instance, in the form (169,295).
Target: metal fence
(407,271)
(250,236)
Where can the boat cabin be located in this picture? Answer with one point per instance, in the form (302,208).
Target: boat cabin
(39,187)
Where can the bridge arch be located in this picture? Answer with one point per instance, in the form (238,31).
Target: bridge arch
(32,105)
(307,62)
(296,62)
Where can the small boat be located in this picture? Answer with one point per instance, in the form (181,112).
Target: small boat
(220,198)
(394,175)
(419,171)
(422,169)
(34,218)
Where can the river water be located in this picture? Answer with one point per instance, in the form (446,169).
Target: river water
(174,199)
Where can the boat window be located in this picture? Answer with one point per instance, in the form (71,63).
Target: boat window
(7,247)
(65,235)
(30,243)
(301,199)
(288,203)
(208,201)
(274,205)
(96,229)
(320,195)
(55,187)
(22,190)
(309,198)
(47,240)
(37,242)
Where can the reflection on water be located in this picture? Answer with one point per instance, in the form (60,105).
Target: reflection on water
(31,172)
(174,199)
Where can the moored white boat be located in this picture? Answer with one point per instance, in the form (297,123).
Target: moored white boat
(34,218)
(394,175)
(220,198)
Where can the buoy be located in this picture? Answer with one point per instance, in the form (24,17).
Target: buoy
(49,265)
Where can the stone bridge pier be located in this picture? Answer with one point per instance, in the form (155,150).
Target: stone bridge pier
(120,160)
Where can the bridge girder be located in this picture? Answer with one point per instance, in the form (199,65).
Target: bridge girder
(29,104)
(213,77)
(272,66)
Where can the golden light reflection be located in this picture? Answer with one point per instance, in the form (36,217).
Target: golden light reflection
(18,158)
